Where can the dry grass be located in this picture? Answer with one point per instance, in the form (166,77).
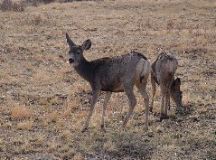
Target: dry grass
(52,117)
(9,5)
(20,112)
(26,125)
(44,102)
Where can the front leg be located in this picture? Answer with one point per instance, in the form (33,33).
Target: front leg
(106,100)
(93,102)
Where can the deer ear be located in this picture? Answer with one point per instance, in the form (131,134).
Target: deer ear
(69,41)
(86,44)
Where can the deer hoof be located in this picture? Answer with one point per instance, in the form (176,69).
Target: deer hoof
(150,109)
(103,128)
(163,116)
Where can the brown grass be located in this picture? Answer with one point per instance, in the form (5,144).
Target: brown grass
(9,5)
(20,112)
(26,125)
(44,102)
(52,117)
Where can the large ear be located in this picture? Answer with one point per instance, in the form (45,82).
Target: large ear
(86,44)
(69,41)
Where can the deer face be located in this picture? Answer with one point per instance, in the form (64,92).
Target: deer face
(75,54)
(176,93)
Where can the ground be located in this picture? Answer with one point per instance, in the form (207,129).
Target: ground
(44,102)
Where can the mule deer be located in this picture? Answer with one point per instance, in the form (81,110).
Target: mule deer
(117,74)
(163,70)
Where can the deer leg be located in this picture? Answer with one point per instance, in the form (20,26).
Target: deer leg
(167,102)
(131,100)
(163,114)
(106,100)
(144,94)
(93,102)
(162,108)
(153,93)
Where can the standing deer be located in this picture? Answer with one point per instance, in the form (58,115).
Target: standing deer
(117,74)
(163,70)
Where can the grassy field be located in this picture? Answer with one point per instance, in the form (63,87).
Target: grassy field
(43,102)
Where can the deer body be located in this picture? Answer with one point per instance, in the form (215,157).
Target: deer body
(116,74)
(163,71)
(111,72)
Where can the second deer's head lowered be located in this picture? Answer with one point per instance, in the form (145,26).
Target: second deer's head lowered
(176,93)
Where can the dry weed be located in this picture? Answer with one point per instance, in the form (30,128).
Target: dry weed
(52,117)
(8,5)
(78,156)
(26,125)
(32,73)
(20,112)
(66,134)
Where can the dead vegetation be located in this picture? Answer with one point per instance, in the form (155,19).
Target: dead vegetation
(20,112)
(21,5)
(44,102)
(9,5)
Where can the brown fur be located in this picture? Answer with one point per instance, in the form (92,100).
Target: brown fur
(163,71)
(116,74)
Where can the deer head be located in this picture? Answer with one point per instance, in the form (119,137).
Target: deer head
(76,51)
(176,93)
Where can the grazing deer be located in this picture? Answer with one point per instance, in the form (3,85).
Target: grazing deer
(117,74)
(163,70)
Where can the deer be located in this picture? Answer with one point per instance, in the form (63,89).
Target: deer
(111,74)
(162,74)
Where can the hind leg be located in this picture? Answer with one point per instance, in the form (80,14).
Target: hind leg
(132,101)
(142,90)
(163,114)
(153,93)
(167,102)
(169,96)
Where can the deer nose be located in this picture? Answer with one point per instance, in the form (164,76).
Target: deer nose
(71,60)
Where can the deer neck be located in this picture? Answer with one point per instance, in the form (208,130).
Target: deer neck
(84,69)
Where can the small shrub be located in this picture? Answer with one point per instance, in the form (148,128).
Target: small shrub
(19,7)
(52,117)
(20,112)
(66,134)
(8,5)
(37,20)
(27,125)
(39,1)
(170,25)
